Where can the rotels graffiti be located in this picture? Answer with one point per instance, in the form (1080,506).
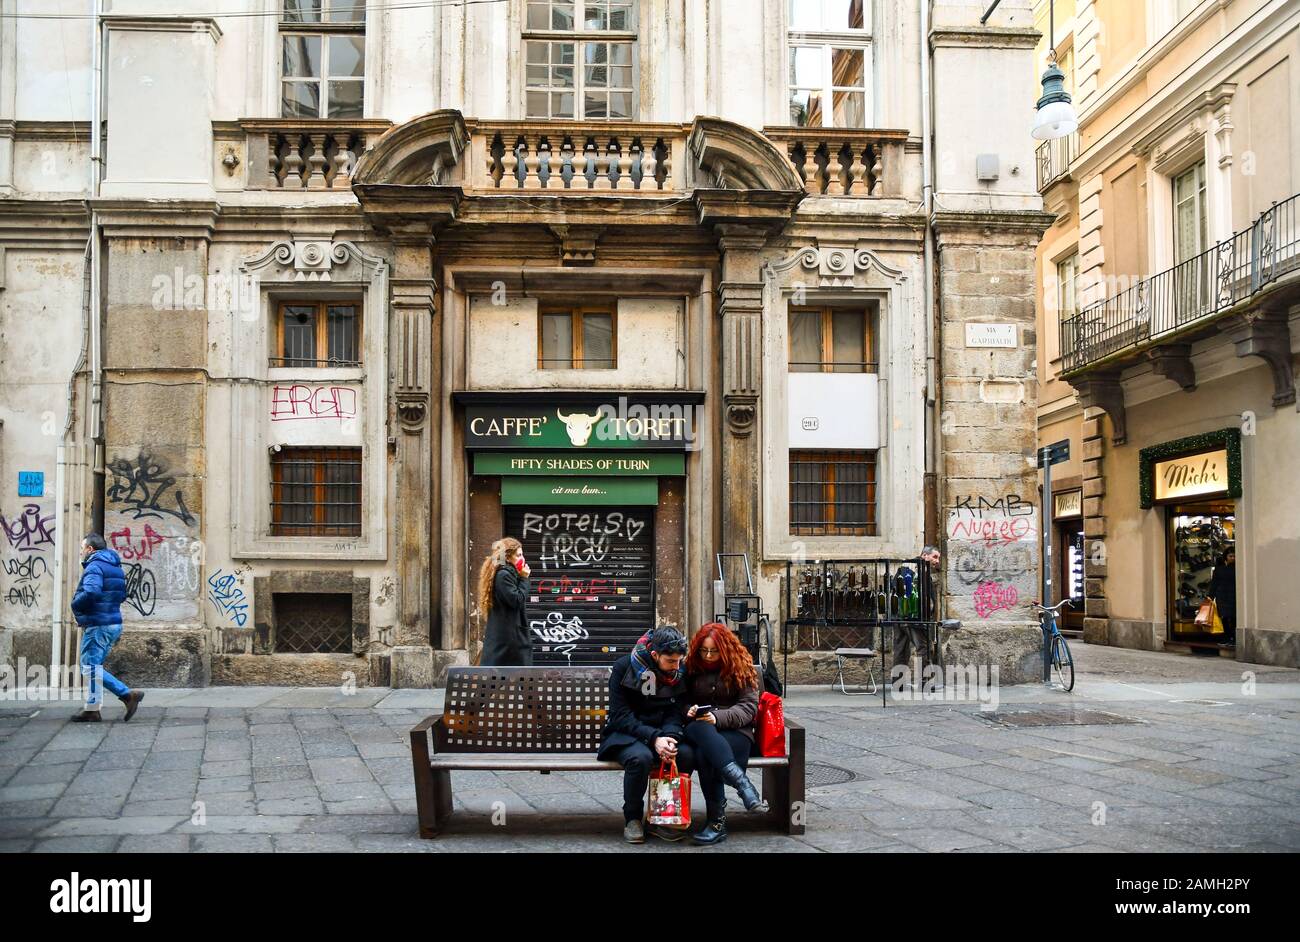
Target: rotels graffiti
(146,490)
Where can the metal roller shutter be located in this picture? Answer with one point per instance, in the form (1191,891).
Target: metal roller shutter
(592,580)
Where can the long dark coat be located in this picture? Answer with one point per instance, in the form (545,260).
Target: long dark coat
(506,643)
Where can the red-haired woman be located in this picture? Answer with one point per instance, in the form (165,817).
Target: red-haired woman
(720,675)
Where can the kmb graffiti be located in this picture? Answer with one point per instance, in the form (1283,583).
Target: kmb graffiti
(29,532)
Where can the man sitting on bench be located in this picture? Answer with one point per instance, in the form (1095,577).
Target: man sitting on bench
(647,722)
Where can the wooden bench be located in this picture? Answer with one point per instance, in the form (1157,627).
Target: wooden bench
(549,719)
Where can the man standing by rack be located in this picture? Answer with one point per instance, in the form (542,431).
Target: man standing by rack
(914,639)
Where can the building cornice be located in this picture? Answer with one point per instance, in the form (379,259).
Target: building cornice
(163,24)
(1030,221)
(1215,67)
(124,218)
(1206,101)
(989,37)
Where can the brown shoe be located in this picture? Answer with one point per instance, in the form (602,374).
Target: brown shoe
(132,701)
(88,716)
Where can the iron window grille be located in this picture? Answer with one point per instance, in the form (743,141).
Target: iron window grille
(316,492)
(833,493)
(307,329)
(313,623)
(322,58)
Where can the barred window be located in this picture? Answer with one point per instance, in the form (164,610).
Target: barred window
(322,58)
(316,492)
(833,493)
(314,334)
(577,339)
(312,624)
(578,59)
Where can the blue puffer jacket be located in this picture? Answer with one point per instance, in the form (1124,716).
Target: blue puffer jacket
(101,591)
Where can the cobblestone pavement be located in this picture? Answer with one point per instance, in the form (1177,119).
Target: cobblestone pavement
(1204,764)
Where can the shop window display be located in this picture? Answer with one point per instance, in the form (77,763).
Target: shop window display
(1203,566)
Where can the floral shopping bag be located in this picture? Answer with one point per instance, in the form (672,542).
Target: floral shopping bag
(669,803)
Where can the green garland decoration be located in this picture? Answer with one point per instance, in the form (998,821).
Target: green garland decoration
(1227,438)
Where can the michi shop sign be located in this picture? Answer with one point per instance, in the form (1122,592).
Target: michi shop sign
(1192,476)
(622,425)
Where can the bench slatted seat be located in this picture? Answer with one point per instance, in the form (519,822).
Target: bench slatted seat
(549,719)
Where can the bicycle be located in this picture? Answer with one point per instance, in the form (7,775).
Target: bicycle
(1056,653)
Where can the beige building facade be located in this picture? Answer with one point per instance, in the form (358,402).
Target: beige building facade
(341,295)
(1167,300)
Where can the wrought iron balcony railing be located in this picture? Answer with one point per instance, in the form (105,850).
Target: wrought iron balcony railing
(1053,159)
(1193,292)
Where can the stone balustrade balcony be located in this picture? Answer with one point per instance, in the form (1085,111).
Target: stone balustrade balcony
(298,154)
(844,162)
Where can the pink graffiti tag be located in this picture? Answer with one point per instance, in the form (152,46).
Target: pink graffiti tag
(29,532)
(993,597)
(312,402)
(121,541)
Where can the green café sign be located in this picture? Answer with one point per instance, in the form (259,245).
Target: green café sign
(666,426)
(587,463)
(575,489)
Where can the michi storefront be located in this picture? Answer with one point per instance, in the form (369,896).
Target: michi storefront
(1194,484)
(595,489)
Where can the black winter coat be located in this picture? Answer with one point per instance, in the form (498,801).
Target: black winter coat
(506,643)
(637,717)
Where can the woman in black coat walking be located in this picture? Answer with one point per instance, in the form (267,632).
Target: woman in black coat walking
(503,588)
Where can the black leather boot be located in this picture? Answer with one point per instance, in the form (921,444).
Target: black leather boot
(735,776)
(715,831)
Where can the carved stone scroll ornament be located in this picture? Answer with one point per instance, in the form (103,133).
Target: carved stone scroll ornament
(741,416)
(412,407)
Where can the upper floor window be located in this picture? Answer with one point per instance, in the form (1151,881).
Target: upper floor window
(582,338)
(578,59)
(832,340)
(1190,236)
(1067,290)
(830,63)
(322,58)
(318,333)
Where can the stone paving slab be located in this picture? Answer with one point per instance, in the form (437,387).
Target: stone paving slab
(322,770)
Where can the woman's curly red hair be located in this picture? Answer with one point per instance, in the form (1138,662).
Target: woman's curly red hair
(737,666)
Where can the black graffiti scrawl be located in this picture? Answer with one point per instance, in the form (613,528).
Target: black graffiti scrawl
(145,489)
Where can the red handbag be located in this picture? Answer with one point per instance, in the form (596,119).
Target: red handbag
(669,804)
(769,726)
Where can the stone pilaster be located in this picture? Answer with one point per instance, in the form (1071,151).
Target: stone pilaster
(156,308)
(415,375)
(740,306)
(987,405)
(1096,623)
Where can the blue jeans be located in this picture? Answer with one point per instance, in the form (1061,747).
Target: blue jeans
(96,642)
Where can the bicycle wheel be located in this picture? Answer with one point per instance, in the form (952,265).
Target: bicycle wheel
(1063,663)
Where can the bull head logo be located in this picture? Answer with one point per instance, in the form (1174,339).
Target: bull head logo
(579,426)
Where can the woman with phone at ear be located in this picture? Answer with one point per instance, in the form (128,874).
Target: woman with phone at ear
(723,686)
(503,588)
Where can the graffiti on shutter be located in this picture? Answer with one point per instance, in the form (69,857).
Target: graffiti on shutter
(592,592)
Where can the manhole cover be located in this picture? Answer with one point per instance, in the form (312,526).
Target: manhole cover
(819,773)
(1018,719)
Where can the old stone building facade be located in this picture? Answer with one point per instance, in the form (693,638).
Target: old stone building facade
(339,297)
(1168,313)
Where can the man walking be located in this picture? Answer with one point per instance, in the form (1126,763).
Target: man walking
(912,640)
(97,606)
